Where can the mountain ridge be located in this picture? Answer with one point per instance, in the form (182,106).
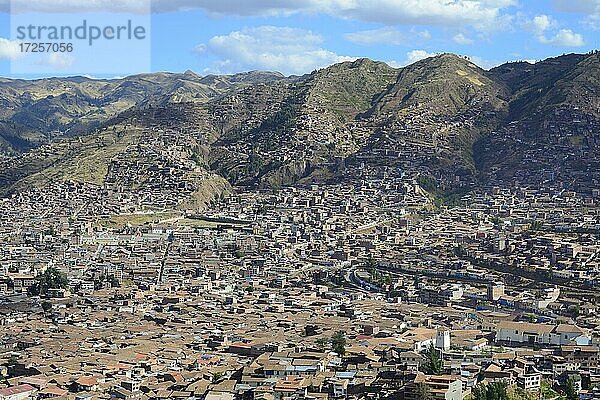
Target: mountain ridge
(443,121)
(73,105)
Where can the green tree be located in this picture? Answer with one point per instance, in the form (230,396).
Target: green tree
(387,280)
(571,391)
(422,392)
(479,392)
(498,390)
(51,278)
(322,343)
(428,183)
(237,252)
(338,343)
(492,391)
(98,282)
(197,158)
(536,225)
(586,382)
(114,282)
(371,264)
(217,376)
(521,394)
(574,310)
(46,306)
(434,365)
(495,220)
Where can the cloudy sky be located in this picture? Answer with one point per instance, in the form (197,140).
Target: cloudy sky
(298,36)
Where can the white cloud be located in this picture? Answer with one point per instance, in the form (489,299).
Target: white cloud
(73,6)
(577,6)
(425,35)
(484,63)
(593,21)
(418,55)
(288,50)
(387,35)
(9,49)
(57,61)
(200,48)
(543,27)
(482,14)
(462,39)
(564,38)
(60,60)
(590,8)
(412,57)
(540,24)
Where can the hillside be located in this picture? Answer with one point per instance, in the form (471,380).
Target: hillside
(144,153)
(426,123)
(442,122)
(40,111)
(306,125)
(551,136)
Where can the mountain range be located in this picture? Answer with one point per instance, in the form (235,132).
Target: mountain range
(443,122)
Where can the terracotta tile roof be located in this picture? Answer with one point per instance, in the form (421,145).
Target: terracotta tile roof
(289,384)
(526,327)
(242,345)
(87,381)
(54,391)
(566,328)
(11,391)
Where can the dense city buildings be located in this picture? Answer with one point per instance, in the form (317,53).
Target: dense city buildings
(258,245)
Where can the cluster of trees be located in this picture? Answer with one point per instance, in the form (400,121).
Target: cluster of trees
(51,278)
(428,183)
(491,391)
(502,391)
(217,376)
(46,306)
(111,279)
(236,251)
(337,342)
(499,390)
(198,159)
(276,125)
(376,277)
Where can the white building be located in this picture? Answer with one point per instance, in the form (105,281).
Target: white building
(542,334)
(442,340)
(530,382)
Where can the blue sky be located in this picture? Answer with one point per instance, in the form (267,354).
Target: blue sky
(297,36)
